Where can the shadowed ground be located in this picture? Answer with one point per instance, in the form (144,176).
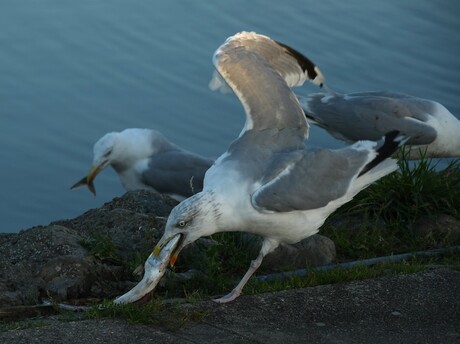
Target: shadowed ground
(416,308)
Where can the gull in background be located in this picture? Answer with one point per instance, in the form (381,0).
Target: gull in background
(433,130)
(145,159)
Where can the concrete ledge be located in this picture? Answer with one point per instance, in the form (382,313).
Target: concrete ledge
(417,308)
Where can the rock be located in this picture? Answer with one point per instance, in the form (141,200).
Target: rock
(316,250)
(67,277)
(172,279)
(134,222)
(51,261)
(16,285)
(22,257)
(442,229)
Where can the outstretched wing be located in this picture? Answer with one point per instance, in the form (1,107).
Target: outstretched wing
(263,92)
(293,66)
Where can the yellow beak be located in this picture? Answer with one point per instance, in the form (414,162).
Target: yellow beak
(162,243)
(157,250)
(88,180)
(93,172)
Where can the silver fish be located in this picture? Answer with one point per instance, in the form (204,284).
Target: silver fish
(154,268)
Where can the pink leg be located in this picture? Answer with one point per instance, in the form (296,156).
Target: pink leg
(237,291)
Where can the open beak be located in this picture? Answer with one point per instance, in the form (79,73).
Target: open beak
(162,243)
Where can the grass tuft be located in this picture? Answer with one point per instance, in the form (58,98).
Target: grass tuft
(102,247)
(417,189)
(171,315)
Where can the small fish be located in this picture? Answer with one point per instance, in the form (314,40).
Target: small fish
(155,268)
(84,181)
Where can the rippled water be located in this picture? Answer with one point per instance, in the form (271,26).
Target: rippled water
(70,71)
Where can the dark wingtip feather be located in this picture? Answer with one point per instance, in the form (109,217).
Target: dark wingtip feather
(392,141)
(305,63)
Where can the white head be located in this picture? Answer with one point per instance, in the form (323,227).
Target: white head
(195,217)
(122,150)
(103,149)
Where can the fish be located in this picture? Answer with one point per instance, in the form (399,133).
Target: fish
(85,181)
(154,269)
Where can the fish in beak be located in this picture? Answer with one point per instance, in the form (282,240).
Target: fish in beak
(175,253)
(88,180)
(155,267)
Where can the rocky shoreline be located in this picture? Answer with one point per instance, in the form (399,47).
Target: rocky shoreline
(57,262)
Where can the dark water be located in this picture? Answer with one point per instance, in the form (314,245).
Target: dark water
(70,71)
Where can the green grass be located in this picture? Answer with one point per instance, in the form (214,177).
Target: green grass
(20,325)
(102,247)
(384,218)
(338,275)
(341,275)
(417,189)
(221,264)
(155,311)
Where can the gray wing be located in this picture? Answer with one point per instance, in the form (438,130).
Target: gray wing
(264,94)
(309,179)
(369,115)
(293,66)
(176,172)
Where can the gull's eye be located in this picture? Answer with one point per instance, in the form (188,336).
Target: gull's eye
(181,224)
(106,154)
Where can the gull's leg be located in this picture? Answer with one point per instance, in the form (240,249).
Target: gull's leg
(267,247)
(237,290)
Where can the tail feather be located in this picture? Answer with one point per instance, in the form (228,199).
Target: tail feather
(392,141)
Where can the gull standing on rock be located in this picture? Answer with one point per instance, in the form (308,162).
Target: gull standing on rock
(267,182)
(145,159)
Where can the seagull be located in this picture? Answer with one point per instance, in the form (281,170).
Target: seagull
(433,130)
(267,182)
(145,159)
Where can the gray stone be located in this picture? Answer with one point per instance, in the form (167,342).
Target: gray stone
(441,228)
(50,261)
(314,251)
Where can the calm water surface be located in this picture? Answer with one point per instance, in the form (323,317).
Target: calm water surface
(70,71)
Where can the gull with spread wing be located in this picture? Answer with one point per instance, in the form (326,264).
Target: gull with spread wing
(267,182)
